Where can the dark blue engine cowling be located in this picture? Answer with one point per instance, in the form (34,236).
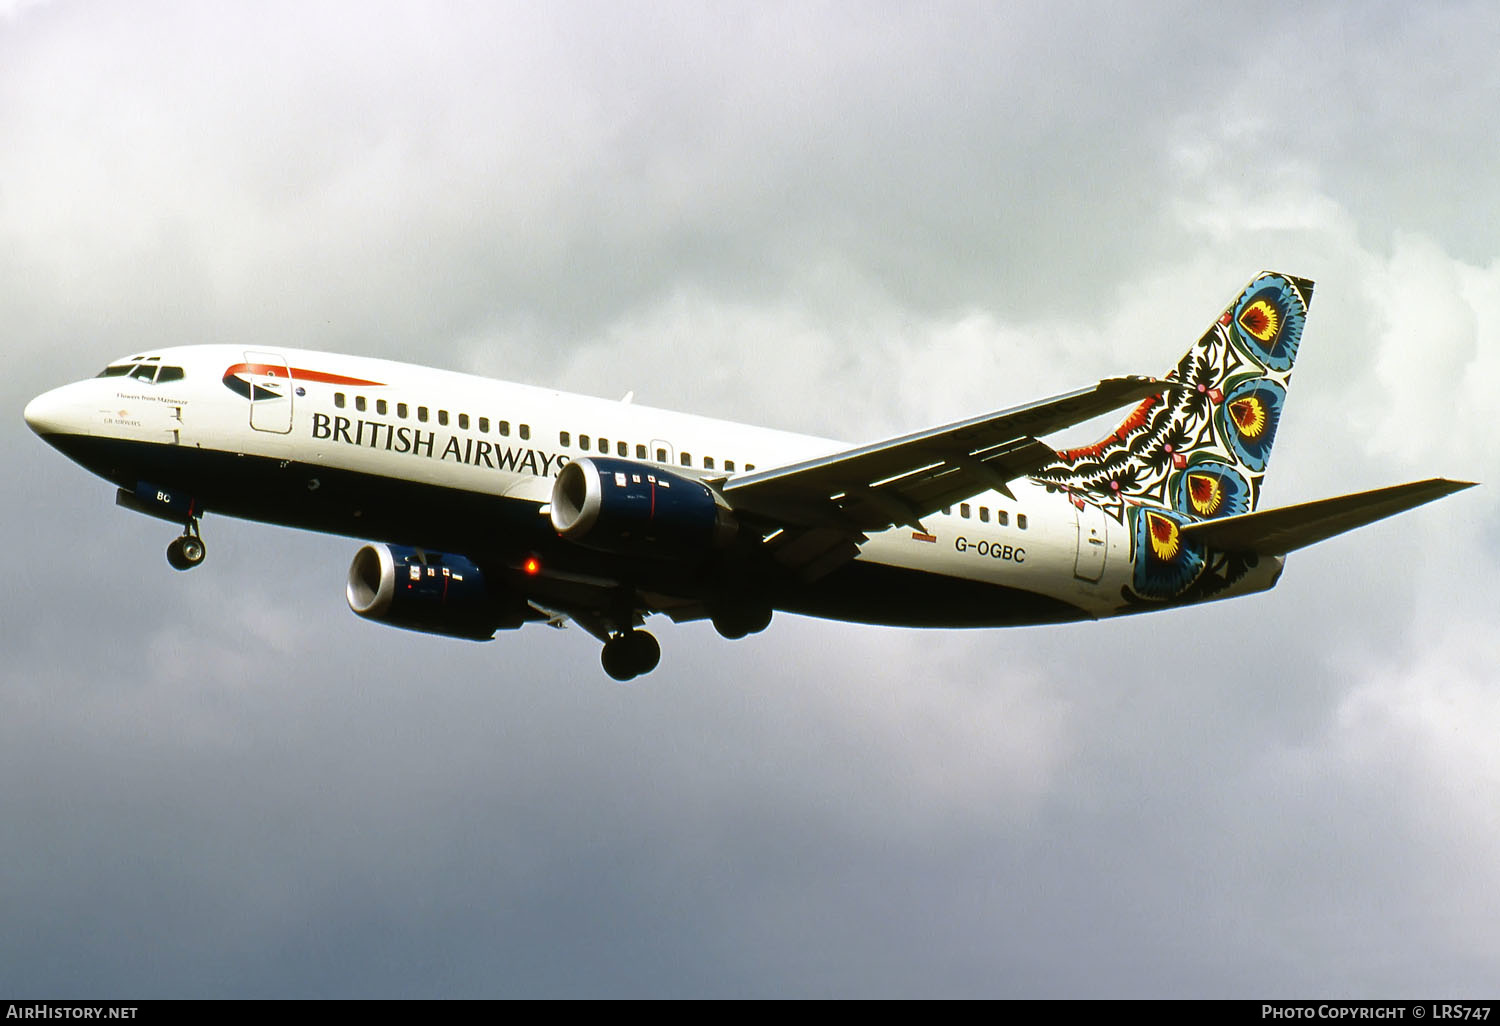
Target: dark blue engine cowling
(426,591)
(638,509)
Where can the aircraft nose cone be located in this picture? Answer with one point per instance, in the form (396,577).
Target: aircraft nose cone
(36,414)
(47,414)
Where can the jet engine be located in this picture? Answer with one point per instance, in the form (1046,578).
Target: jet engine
(434,592)
(638,509)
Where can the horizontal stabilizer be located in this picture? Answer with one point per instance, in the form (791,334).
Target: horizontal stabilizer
(1275,532)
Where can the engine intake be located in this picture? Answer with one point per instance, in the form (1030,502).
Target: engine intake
(433,592)
(638,509)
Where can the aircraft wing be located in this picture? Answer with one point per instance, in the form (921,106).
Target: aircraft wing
(831,502)
(1275,532)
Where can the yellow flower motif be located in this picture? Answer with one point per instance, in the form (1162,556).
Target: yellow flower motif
(1249,415)
(1261,319)
(1205,492)
(1163,533)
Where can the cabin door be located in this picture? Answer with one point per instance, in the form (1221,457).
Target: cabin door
(270,392)
(1092,542)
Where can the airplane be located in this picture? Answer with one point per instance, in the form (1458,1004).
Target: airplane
(490,504)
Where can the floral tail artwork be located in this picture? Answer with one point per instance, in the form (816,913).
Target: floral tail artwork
(1200,449)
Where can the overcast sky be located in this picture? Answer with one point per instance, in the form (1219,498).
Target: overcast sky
(841,218)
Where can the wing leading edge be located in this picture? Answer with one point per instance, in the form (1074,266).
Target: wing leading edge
(900,480)
(825,507)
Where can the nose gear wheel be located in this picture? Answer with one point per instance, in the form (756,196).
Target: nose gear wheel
(188,550)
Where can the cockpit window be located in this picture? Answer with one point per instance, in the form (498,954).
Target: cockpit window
(146,370)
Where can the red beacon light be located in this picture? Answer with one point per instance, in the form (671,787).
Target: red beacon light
(532,566)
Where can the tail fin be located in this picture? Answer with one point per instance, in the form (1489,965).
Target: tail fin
(1201,448)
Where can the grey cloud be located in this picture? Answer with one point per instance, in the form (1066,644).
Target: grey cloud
(222,783)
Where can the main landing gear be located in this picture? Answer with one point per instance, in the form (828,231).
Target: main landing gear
(735,620)
(187,551)
(628,654)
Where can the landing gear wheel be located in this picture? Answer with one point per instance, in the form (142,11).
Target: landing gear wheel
(616,659)
(729,629)
(644,651)
(186,552)
(629,655)
(736,622)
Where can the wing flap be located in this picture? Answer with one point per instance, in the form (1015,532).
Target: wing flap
(1275,532)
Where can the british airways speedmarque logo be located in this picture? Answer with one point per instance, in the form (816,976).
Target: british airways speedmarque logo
(238,379)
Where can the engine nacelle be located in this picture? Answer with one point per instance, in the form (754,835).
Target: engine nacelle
(426,591)
(637,509)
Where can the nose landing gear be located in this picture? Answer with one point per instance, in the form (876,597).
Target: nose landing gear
(187,551)
(175,507)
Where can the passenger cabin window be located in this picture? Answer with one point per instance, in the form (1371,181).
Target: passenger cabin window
(526,431)
(401,410)
(604,446)
(484,425)
(422,414)
(564,438)
(963,510)
(583,442)
(443,417)
(708,463)
(380,407)
(621,449)
(687,460)
(359,403)
(1001,517)
(1021,521)
(505,427)
(729,466)
(338,400)
(984,514)
(463,422)
(661,455)
(749,467)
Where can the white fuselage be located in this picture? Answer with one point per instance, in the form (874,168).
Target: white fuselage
(318,412)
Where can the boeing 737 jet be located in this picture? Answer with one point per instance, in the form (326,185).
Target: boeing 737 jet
(490,505)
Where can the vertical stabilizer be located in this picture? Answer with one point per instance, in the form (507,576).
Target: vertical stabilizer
(1201,449)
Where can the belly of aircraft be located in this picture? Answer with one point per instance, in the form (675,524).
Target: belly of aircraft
(483,525)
